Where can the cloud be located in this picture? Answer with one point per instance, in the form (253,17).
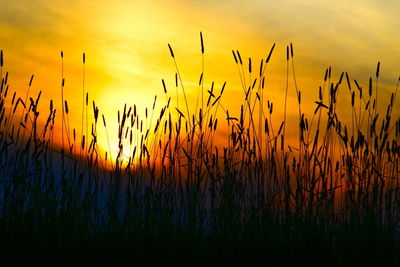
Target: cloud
(125,40)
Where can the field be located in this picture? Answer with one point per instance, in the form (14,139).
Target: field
(189,186)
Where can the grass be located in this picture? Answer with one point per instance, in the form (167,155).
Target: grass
(174,196)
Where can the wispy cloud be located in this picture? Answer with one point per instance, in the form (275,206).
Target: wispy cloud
(125,40)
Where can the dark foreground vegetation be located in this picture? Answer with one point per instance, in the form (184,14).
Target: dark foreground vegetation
(174,195)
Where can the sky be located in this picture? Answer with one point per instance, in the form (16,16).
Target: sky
(125,43)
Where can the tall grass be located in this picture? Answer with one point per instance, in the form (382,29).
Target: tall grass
(171,180)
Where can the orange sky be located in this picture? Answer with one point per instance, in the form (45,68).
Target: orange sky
(127,55)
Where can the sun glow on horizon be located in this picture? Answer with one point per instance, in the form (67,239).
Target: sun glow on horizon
(127,54)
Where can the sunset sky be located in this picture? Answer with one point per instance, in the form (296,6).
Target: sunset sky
(127,55)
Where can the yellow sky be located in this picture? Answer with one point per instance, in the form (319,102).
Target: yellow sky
(127,55)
